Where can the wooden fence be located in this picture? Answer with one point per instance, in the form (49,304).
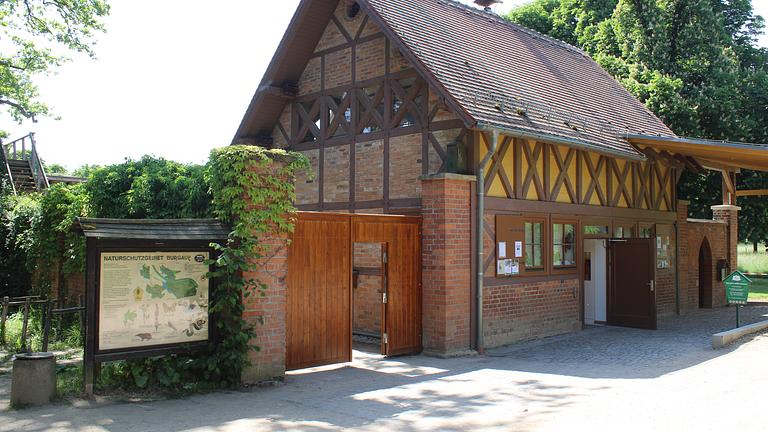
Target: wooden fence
(49,309)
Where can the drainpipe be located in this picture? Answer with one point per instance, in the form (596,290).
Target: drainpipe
(677,268)
(479,235)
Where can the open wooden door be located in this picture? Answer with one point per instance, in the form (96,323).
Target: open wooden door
(631,286)
(401,298)
(319,322)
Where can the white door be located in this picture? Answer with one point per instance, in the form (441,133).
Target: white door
(595,282)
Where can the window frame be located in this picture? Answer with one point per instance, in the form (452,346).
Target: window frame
(544,242)
(515,225)
(624,224)
(577,237)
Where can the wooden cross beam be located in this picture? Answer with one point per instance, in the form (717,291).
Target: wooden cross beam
(752,192)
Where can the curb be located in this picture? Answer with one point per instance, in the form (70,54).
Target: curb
(722,339)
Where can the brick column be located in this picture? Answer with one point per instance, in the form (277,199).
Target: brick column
(268,313)
(730,215)
(446,255)
(684,255)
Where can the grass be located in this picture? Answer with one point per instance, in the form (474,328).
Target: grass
(750,262)
(759,291)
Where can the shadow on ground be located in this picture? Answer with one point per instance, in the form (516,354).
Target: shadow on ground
(521,385)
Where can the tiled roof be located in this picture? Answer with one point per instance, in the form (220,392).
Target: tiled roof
(506,76)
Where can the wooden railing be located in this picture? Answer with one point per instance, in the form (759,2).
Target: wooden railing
(25,149)
(5,170)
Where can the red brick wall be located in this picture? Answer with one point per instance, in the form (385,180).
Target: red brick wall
(692,235)
(446,261)
(524,311)
(366,301)
(268,313)
(665,278)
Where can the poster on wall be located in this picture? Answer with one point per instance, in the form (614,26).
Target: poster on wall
(151,299)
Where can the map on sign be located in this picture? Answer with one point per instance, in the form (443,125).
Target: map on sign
(149,299)
(737,288)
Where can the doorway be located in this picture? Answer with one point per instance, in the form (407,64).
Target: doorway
(369,280)
(631,283)
(705,275)
(595,281)
(329,254)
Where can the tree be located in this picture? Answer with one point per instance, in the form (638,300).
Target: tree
(55,168)
(37,36)
(694,63)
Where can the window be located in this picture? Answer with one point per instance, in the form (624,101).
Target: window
(623,231)
(534,246)
(353,10)
(646,231)
(564,245)
(596,230)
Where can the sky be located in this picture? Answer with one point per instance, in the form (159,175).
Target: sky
(173,78)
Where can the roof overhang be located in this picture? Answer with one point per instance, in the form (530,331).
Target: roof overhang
(152,229)
(715,155)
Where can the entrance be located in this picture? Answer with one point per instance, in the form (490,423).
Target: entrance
(631,286)
(595,281)
(328,256)
(705,275)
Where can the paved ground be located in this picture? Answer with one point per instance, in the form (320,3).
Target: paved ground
(602,379)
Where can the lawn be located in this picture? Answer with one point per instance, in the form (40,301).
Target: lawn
(759,291)
(750,262)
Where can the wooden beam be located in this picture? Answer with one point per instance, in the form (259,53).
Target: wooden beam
(752,192)
(729,187)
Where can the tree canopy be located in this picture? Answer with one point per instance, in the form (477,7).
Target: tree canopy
(38,36)
(694,63)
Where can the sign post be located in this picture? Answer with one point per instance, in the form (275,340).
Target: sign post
(737,292)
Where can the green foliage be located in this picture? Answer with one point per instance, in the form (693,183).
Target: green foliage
(55,169)
(85,171)
(54,238)
(150,188)
(694,63)
(256,198)
(15,216)
(37,35)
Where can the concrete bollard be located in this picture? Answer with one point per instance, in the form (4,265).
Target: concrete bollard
(34,379)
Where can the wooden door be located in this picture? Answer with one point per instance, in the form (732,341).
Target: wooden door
(319,295)
(402,273)
(631,291)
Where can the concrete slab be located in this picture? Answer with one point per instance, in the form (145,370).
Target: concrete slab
(722,339)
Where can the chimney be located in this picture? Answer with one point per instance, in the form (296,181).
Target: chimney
(486,4)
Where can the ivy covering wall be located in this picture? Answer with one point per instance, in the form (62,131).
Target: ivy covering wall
(249,188)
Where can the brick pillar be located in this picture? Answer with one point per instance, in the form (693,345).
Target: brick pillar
(684,256)
(268,313)
(446,255)
(730,215)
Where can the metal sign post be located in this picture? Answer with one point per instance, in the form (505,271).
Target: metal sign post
(737,292)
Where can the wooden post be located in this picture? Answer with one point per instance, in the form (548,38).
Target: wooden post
(59,318)
(3,318)
(47,324)
(81,303)
(24,326)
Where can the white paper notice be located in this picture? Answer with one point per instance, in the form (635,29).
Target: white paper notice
(518,249)
(502,249)
(515,270)
(500,270)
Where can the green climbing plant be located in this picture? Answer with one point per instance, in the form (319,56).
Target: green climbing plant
(253,191)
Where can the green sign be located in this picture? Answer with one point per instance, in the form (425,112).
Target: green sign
(737,288)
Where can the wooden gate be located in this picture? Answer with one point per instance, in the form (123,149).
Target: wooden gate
(631,286)
(319,297)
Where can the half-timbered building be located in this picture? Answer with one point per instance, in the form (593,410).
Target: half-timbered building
(547,192)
